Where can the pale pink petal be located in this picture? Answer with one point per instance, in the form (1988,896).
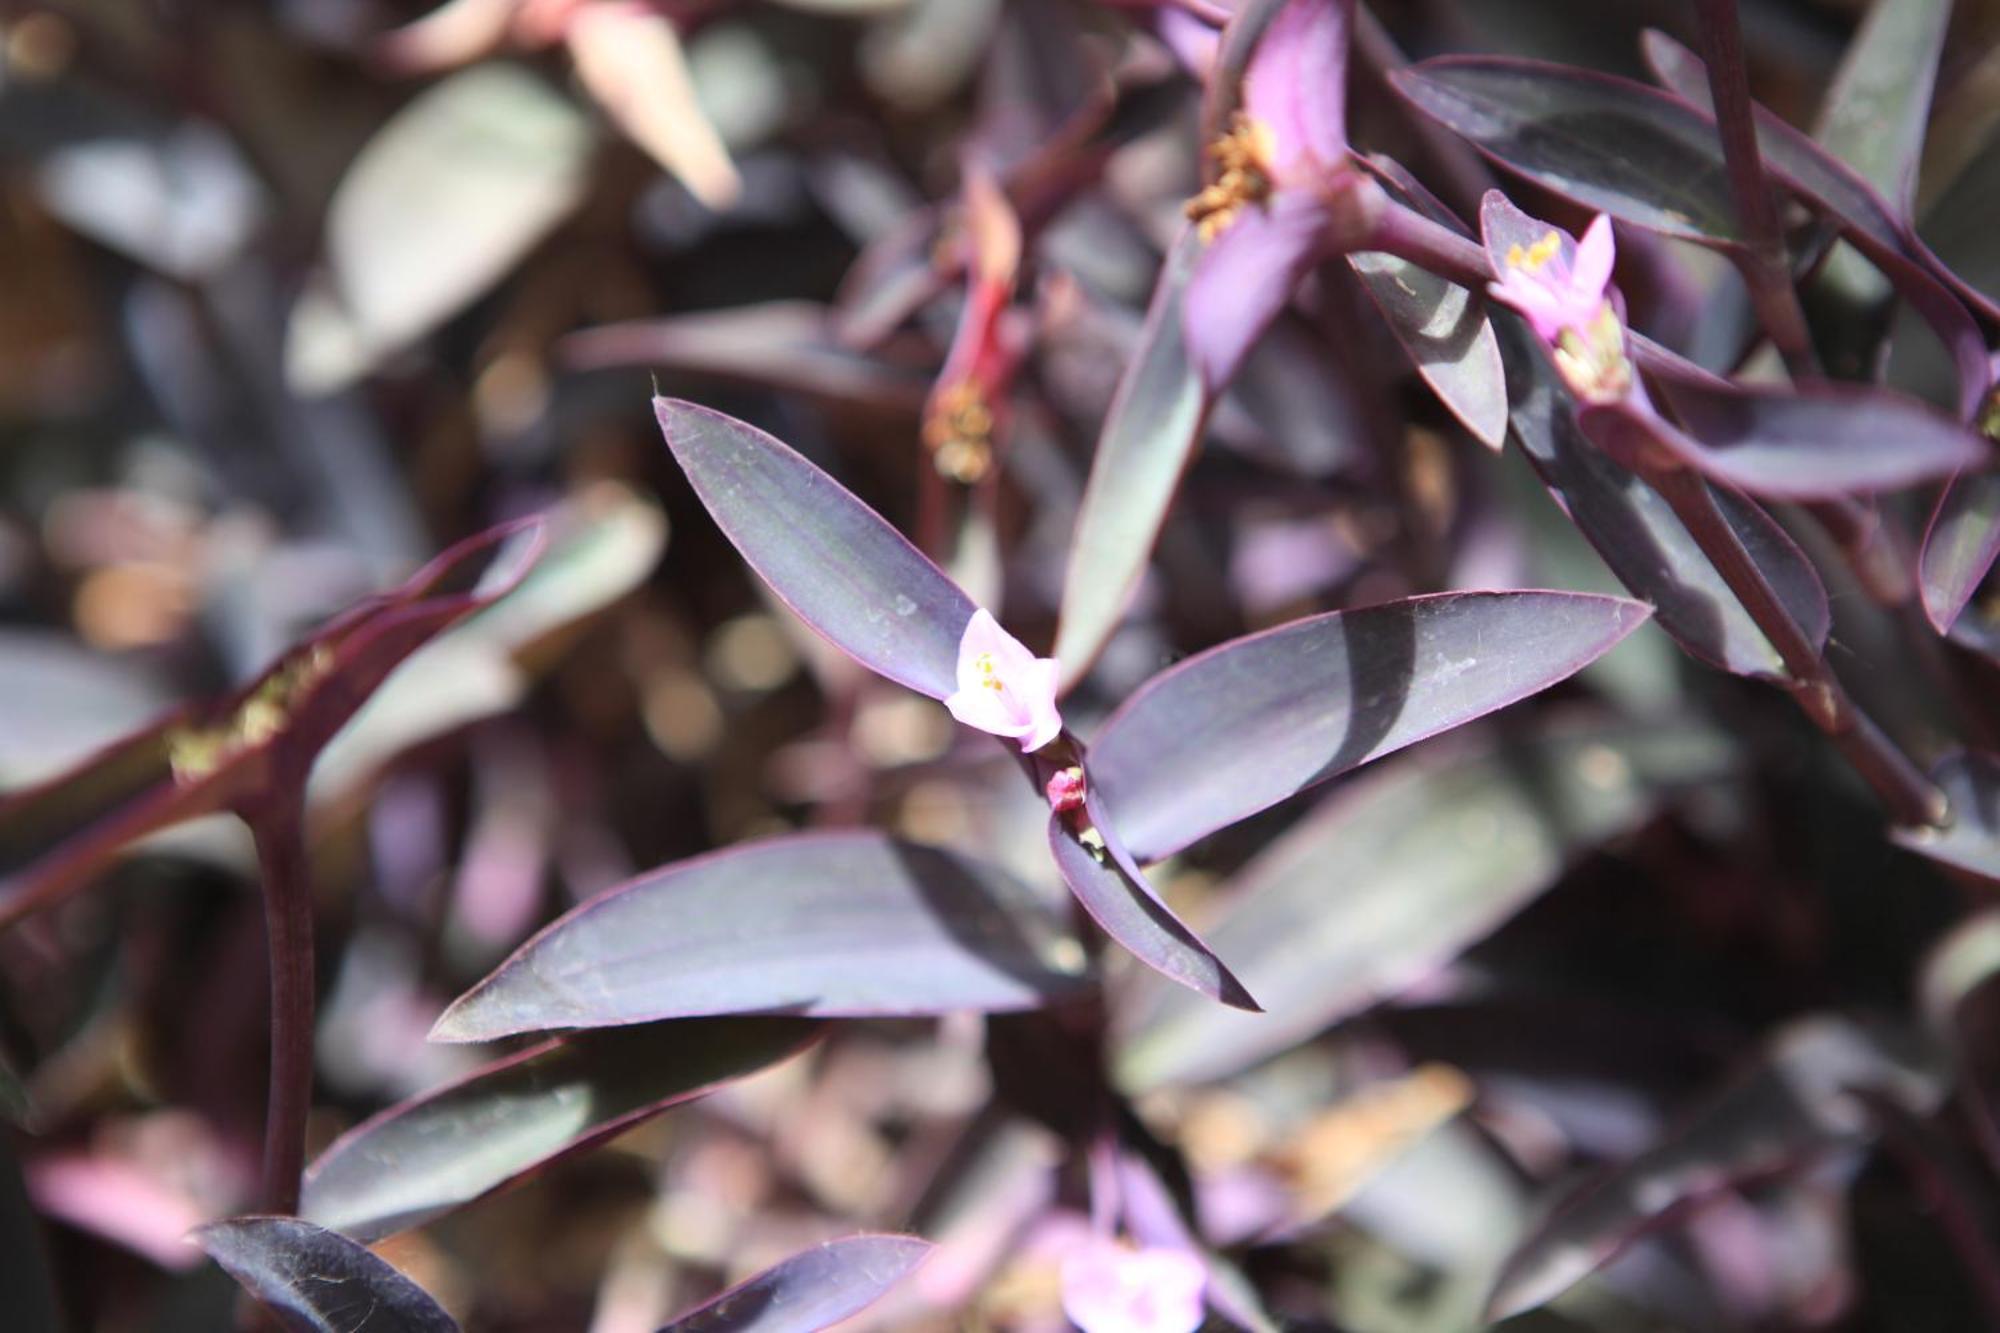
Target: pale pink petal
(1107,1288)
(1595,254)
(1246,277)
(1296,83)
(1003,688)
(1038,692)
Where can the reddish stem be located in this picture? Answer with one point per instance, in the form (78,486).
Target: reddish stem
(279,830)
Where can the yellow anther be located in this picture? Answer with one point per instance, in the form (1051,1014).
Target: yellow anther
(1242,159)
(1535,256)
(958,430)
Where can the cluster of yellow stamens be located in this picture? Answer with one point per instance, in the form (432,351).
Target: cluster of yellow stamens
(1593,363)
(958,430)
(196,752)
(1242,160)
(989,675)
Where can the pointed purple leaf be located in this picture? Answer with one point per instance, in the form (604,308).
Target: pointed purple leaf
(845,924)
(1960,546)
(1442,326)
(812,1290)
(1240,727)
(1794,1106)
(1829,441)
(1395,875)
(319,1281)
(1874,114)
(1971,841)
(1115,893)
(1150,435)
(1245,276)
(853,578)
(409,1164)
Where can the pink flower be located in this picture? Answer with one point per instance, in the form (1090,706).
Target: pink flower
(1002,687)
(1108,1288)
(1066,790)
(1556,295)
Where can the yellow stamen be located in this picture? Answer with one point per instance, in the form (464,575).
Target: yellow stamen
(1593,363)
(958,430)
(1535,256)
(1242,159)
(988,673)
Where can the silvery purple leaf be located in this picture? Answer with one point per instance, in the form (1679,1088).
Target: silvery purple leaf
(812,1290)
(817,924)
(1112,888)
(1149,437)
(319,1281)
(1242,726)
(857,581)
(1829,441)
(409,1164)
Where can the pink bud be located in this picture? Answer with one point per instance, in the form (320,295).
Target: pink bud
(1002,687)
(1066,789)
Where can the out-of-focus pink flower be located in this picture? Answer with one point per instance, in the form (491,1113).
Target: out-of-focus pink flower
(1065,789)
(1554,293)
(1002,687)
(1109,1288)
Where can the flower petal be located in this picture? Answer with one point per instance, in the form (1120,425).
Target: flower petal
(1296,83)
(1246,277)
(1595,255)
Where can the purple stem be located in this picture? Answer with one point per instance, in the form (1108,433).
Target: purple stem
(1765,267)
(278,827)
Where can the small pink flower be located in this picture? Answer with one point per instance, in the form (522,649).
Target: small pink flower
(1002,687)
(1556,295)
(1066,790)
(1108,1288)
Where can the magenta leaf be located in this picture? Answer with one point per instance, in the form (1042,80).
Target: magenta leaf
(842,924)
(200,759)
(1149,437)
(1960,546)
(1242,726)
(319,1281)
(408,1165)
(836,562)
(1971,841)
(812,1290)
(1114,891)
(1794,1106)
(1382,885)
(1829,441)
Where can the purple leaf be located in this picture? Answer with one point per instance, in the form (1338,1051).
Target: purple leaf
(1874,112)
(1245,276)
(812,1290)
(783,344)
(821,924)
(1971,841)
(1398,873)
(1240,727)
(1114,891)
(56,835)
(1830,441)
(1960,546)
(1149,436)
(828,556)
(1793,1107)
(409,1164)
(1442,326)
(1644,543)
(319,1281)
